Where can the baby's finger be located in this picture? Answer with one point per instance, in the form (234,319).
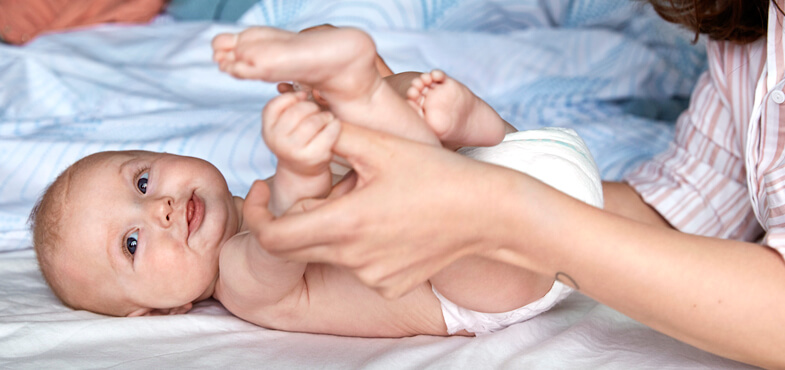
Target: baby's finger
(325,139)
(294,117)
(310,128)
(273,110)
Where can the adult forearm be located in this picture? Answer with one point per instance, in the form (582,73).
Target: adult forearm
(719,295)
(621,199)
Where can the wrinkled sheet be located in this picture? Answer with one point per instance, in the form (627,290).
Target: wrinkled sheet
(610,70)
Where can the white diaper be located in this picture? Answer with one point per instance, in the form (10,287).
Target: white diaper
(557,157)
(458,318)
(553,155)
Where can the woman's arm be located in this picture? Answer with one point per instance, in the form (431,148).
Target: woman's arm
(621,199)
(719,295)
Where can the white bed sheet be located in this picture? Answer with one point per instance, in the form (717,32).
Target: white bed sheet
(608,69)
(37,332)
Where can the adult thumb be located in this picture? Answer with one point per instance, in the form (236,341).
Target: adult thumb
(363,148)
(255,209)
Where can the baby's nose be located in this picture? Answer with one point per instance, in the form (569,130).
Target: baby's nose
(163,211)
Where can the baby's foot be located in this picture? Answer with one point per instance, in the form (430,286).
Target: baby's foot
(454,113)
(339,61)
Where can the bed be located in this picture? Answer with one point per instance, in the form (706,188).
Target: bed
(611,70)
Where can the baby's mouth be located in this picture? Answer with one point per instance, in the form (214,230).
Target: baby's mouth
(194,214)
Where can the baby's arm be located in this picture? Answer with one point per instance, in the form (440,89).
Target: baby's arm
(253,282)
(301,136)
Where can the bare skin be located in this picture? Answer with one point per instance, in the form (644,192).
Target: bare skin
(155,207)
(474,283)
(458,116)
(454,112)
(718,295)
(340,63)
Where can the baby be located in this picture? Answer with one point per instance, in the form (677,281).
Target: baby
(139,233)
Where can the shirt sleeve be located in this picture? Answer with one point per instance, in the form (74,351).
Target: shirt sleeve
(699,183)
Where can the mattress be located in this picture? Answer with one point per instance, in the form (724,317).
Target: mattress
(610,70)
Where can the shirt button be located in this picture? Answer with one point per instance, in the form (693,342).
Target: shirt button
(778,96)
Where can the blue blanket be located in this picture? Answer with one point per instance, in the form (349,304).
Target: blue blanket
(609,69)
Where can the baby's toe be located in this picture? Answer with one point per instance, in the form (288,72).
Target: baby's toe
(426,79)
(413,93)
(418,84)
(224,41)
(438,75)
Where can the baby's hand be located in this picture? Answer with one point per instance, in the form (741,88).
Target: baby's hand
(299,133)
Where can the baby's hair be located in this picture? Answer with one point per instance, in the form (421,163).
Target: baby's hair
(45,222)
(740,21)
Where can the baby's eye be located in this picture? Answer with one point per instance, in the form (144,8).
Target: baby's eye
(131,242)
(141,184)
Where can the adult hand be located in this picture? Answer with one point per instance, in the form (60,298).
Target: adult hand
(410,210)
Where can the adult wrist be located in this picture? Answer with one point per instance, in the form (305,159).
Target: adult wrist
(524,215)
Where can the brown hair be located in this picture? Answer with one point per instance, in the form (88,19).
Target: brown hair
(45,223)
(47,220)
(740,21)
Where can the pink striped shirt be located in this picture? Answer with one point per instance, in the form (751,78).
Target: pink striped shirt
(724,173)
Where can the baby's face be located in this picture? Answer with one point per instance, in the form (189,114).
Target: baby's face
(146,228)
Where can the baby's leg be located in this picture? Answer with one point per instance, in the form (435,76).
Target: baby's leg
(458,117)
(485,285)
(340,63)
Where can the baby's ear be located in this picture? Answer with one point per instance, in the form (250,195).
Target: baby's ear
(162,311)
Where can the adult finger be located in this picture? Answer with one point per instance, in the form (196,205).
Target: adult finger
(347,183)
(263,225)
(255,207)
(294,236)
(365,149)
